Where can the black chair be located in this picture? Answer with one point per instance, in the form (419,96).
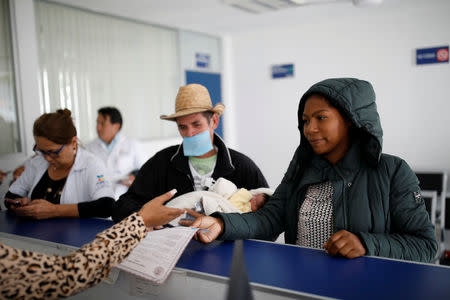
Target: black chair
(446,229)
(447,212)
(445,256)
(435,181)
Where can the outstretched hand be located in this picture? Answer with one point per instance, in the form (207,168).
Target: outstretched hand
(346,244)
(213,228)
(155,213)
(193,213)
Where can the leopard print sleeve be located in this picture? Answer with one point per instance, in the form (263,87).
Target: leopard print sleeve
(30,275)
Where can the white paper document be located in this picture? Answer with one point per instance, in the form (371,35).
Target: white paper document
(156,255)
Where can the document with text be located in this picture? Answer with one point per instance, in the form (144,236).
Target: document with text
(156,255)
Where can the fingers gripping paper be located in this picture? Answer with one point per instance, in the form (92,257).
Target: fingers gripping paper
(155,256)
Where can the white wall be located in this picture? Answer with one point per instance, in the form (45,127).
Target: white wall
(27,73)
(23,27)
(376,44)
(26,62)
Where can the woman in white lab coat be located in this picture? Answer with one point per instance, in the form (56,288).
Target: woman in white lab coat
(62,180)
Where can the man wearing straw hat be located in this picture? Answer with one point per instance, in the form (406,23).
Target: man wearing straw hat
(193,165)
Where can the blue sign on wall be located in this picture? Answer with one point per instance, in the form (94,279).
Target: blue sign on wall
(432,55)
(202,60)
(282,71)
(212,82)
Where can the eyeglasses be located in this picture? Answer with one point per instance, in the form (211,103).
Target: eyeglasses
(52,154)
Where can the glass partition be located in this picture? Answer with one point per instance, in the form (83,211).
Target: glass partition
(9,122)
(89,60)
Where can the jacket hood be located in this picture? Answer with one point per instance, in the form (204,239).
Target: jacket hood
(355,98)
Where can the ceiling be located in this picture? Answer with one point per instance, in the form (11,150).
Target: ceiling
(218,18)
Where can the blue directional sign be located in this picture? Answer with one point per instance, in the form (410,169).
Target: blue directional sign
(282,71)
(432,55)
(202,60)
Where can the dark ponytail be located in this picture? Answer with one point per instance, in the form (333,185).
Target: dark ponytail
(57,127)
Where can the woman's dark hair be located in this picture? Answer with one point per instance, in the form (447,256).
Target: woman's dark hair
(57,127)
(333,103)
(355,133)
(113,113)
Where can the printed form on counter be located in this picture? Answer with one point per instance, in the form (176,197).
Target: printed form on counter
(156,255)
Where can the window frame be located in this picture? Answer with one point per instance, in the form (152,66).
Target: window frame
(22,154)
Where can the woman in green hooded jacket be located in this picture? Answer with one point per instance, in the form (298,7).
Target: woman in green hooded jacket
(339,193)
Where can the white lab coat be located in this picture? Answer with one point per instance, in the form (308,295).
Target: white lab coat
(125,157)
(87,179)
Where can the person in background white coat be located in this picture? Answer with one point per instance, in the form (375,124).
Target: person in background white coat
(121,155)
(63,179)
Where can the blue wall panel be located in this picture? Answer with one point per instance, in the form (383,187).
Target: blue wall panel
(212,82)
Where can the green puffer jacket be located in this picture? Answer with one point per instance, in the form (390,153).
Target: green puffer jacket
(376,196)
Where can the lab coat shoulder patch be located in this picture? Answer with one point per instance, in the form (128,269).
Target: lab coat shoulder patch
(100,179)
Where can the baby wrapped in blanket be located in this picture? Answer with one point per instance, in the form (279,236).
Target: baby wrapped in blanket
(222,196)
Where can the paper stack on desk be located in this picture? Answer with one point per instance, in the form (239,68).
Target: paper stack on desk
(156,255)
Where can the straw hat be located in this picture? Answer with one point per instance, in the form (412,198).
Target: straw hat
(191,99)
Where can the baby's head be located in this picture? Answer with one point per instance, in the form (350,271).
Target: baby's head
(258,201)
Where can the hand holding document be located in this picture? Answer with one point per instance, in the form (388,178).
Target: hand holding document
(155,257)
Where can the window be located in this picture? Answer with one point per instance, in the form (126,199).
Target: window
(9,122)
(89,60)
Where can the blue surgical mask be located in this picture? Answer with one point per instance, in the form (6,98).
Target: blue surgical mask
(198,144)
